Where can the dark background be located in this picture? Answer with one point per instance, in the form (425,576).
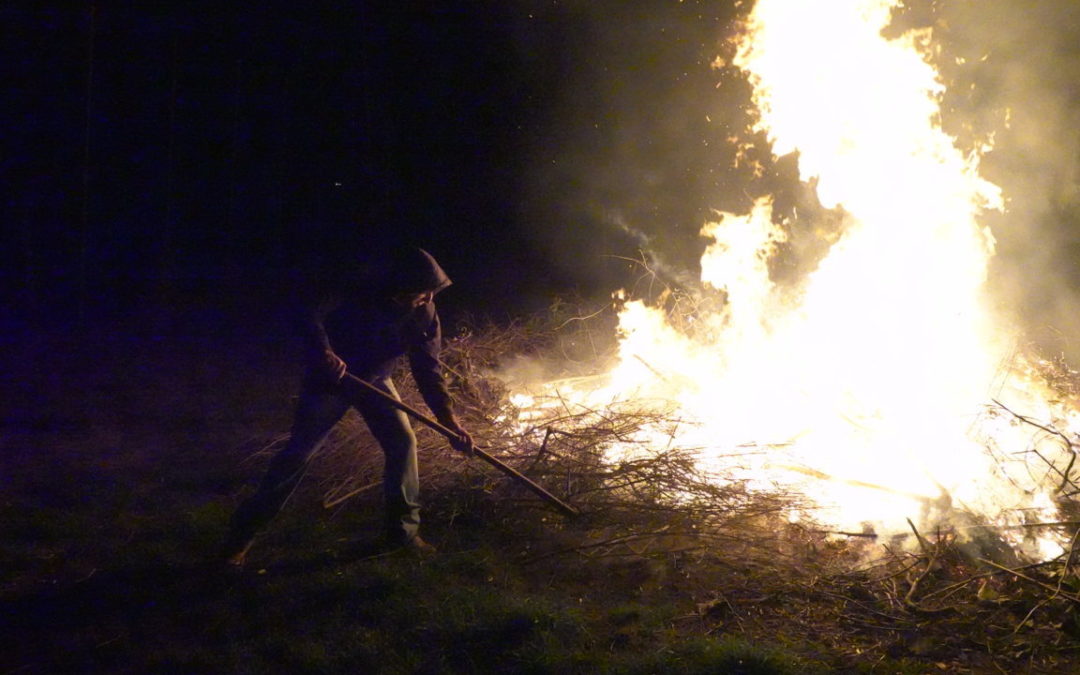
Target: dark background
(158,154)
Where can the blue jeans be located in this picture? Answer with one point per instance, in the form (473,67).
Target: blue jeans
(318,410)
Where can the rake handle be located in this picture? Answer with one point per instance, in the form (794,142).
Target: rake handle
(350,382)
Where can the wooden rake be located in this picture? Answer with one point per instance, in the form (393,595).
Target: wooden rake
(353,384)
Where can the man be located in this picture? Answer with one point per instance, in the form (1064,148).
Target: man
(363,327)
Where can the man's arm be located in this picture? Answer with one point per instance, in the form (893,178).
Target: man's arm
(428,374)
(320,355)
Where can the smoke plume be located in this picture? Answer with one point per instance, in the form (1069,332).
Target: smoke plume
(1013,71)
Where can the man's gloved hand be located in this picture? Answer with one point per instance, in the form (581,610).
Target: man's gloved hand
(330,366)
(464,442)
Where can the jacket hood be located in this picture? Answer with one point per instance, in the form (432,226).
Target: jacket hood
(414,270)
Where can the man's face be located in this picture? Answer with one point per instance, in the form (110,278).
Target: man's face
(414,300)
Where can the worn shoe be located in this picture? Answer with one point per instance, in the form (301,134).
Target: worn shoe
(419,547)
(413,546)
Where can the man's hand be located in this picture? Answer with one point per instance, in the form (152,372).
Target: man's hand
(463,443)
(330,366)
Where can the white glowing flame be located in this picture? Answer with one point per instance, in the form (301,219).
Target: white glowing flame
(871,381)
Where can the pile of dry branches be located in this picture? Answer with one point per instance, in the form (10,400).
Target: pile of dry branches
(955,593)
(655,502)
(965,591)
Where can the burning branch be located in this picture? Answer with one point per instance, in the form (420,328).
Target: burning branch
(1066,443)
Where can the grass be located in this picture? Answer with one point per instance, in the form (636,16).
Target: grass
(107,571)
(115,496)
(313,610)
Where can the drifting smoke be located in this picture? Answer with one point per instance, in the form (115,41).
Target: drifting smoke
(633,150)
(1014,76)
(648,129)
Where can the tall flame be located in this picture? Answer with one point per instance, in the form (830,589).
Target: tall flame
(877,371)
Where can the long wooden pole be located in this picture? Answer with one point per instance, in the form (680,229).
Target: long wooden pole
(354,384)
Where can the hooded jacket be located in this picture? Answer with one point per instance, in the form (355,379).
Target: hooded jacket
(364,326)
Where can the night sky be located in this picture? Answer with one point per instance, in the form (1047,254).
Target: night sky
(158,152)
(203,147)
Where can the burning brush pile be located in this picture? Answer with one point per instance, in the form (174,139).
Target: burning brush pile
(751,552)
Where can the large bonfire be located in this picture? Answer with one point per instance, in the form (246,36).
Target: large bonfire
(881,385)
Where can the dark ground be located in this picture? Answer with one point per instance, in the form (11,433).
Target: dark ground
(125,444)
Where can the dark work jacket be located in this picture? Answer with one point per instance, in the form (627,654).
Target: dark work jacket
(370,332)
